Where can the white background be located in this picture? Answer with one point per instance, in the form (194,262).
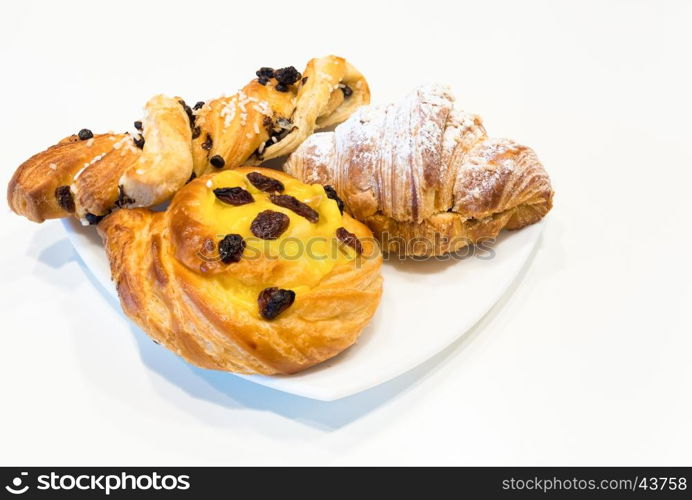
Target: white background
(587,361)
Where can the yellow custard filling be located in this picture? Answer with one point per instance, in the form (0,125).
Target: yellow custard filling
(297,260)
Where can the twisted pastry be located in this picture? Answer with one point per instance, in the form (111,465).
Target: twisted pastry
(87,175)
(248,270)
(424,176)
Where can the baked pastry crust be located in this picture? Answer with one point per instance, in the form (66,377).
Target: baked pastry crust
(260,122)
(172,283)
(424,175)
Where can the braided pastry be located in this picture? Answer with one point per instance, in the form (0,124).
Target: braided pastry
(248,270)
(87,175)
(424,176)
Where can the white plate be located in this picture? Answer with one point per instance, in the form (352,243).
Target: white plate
(426,305)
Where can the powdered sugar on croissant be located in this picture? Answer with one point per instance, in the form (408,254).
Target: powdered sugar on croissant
(421,168)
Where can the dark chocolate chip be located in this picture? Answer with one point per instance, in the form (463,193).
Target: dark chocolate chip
(85,134)
(331,194)
(273,301)
(138,125)
(264,183)
(269,225)
(295,205)
(192,177)
(198,105)
(262,80)
(305,79)
(281,87)
(207,143)
(234,196)
(63,195)
(93,219)
(196,131)
(217,161)
(349,239)
(231,248)
(348,92)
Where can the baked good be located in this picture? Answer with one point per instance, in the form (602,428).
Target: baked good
(87,174)
(248,270)
(424,175)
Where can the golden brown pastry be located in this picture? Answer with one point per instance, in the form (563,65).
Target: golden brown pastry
(424,176)
(87,175)
(248,270)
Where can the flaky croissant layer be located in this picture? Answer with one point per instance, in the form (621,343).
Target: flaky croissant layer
(424,175)
(249,271)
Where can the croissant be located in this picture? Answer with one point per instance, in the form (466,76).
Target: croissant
(248,270)
(424,176)
(88,175)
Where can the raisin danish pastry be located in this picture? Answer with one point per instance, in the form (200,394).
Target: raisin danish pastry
(248,270)
(87,175)
(424,176)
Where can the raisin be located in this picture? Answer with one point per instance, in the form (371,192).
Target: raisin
(269,225)
(281,87)
(273,301)
(235,196)
(138,125)
(290,202)
(280,129)
(139,141)
(231,248)
(123,199)
(284,123)
(287,76)
(217,161)
(188,112)
(265,72)
(264,183)
(331,194)
(198,105)
(349,239)
(93,219)
(207,143)
(262,80)
(196,132)
(64,197)
(346,90)
(85,134)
